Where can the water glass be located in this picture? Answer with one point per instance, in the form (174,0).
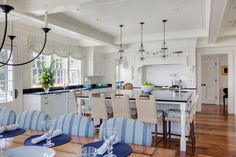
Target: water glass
(107,133)
(48,127)
(88,152)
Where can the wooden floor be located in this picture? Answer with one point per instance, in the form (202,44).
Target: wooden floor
(215,134)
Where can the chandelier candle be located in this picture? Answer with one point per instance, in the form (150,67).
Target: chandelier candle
(46,19)
(4,1)
(11,27)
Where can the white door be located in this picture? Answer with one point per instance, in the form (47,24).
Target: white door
(210,81)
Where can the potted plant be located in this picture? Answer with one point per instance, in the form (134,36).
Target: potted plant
(148,87)
(47,77)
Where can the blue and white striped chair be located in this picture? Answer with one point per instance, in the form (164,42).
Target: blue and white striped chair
(7,116)
(32,120)
(129,131)
(75,125)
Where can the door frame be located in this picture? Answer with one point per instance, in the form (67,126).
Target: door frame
(215,51)
(217,75)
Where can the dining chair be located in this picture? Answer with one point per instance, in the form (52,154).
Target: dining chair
(7,116)
(32,120)
(99,108)
(82,108)
(148,113)
(121,106)
(129,131)
(174,115)
(225,96)
(128,86)
(75,125)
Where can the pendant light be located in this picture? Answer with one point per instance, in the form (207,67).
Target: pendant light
(141,50)
(164,48)
(6,9)
(121,48)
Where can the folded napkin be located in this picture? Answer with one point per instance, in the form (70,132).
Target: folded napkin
(112,139)
(8,128)
(43,137)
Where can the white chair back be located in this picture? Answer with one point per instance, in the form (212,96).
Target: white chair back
(193,108)
(120,106)
(147,109)
(98,106)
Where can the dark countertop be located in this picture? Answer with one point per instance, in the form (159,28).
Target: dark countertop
(161,95)
(59,90)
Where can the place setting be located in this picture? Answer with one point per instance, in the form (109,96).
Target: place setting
(110,146)
(41,145)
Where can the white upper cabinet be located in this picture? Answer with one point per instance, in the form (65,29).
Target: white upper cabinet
(95,63)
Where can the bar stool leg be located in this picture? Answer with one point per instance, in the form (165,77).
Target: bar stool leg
(156,135)
(169,128)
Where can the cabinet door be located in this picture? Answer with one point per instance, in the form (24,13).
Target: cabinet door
(54,105)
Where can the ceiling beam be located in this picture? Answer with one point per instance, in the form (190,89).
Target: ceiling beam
(38,7)
(218,11)
(62,23)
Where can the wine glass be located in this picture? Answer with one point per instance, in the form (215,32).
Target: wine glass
(48,127)
(87,152)
(109,136)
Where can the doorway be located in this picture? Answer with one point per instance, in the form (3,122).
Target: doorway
(214,76)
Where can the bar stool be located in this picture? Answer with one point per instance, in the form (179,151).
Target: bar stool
(148,113)
(121,106)
(174,115)
(99,109)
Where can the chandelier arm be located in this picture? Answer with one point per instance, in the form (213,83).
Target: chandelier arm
(9,55)
(5,32)
(45,41)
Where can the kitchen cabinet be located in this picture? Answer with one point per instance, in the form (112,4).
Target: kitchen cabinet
(95,63)
(52,104)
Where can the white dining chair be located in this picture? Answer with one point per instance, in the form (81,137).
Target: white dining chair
(121,106)
(148,113)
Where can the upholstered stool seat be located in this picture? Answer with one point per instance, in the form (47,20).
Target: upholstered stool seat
(175,113)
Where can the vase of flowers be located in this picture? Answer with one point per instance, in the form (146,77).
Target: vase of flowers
(148,87)
(47,77)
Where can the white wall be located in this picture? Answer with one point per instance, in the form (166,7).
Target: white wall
(136,70)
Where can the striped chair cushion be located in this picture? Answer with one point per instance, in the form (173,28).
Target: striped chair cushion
(76,125)
(129,131)
(7,116)
(175,113)
(32,120)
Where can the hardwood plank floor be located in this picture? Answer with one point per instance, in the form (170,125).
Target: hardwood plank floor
(215,134)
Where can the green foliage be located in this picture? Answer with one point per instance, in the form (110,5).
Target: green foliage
(47,78)
(148,84)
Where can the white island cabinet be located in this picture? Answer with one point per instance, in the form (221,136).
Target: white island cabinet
(54,104)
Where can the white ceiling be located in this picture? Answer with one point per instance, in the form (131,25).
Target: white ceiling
(182,15)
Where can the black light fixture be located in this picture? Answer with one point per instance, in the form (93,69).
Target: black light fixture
(164,47)
(141,50)
(6,9)
(121,48)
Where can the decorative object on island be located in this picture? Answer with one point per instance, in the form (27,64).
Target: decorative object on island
(6,9)
(47,78)
(148,87)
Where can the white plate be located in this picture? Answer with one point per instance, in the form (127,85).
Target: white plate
(30,151)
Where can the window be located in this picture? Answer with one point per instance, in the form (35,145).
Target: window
(6,78)
(37,70)
(60,67)
(75,71)
(67,70)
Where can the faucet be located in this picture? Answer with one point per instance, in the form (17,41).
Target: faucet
(180,85)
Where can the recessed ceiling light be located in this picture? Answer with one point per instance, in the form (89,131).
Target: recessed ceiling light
(174,9)
(98,19)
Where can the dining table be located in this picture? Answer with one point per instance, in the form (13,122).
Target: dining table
(72,148)
(181,100)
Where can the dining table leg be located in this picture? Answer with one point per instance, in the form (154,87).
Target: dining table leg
(183,122)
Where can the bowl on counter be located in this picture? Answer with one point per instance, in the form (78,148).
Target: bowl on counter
(147,89)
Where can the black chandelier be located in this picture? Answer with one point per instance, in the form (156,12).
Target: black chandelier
(6,9)
(141,50)
(121,47)
(164,47)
